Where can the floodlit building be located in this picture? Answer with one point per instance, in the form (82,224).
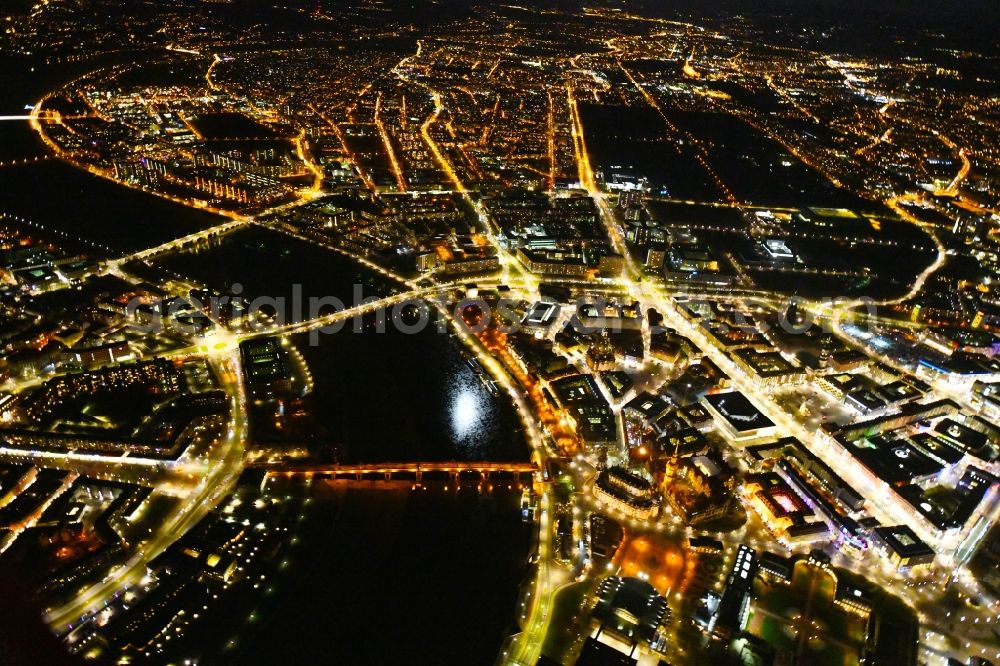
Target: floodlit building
(734,606)
(627,492)
(630,609)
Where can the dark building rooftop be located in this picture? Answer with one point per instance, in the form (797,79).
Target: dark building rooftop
(896,462)
(903,541)
(630,608)
(595,653)
(741,414)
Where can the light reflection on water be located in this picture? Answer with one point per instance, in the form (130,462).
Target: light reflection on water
(397,397)
(470,410)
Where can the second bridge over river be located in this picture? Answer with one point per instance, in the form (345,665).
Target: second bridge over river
(389,470)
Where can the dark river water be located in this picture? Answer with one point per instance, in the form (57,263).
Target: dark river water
(395,396)
(423,577)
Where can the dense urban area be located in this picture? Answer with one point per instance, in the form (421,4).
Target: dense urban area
(542,334)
